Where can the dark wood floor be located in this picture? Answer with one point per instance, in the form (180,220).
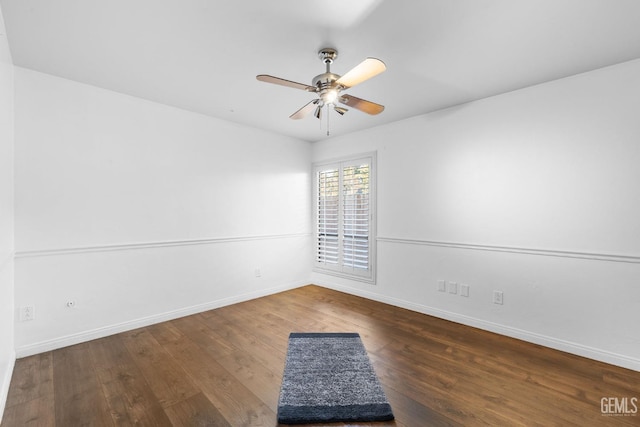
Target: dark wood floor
(224,367)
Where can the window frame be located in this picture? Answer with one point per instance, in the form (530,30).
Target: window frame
(338,269)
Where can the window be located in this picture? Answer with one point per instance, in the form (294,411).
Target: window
(344,213)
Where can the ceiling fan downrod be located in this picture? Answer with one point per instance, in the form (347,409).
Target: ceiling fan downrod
(326,81)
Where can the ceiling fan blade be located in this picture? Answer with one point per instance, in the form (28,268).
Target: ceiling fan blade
(368,68)
(278,81)
(361,104)
(304,111)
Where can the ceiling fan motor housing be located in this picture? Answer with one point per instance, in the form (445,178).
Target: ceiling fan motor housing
(324,80)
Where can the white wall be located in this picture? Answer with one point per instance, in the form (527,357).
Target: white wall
(140,212)
(533,192)
(7,350)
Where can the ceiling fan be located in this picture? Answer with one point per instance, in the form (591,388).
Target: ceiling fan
(328,86)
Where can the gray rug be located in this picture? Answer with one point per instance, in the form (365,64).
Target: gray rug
(328,378)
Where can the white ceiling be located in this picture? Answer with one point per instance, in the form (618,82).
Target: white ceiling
(203,55)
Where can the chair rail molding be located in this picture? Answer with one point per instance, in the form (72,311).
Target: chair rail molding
(633,259)
(152,245)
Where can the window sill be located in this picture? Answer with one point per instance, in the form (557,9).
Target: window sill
(356,277)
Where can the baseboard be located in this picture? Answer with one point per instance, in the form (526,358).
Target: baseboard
(532,337)
(562,345)
(6,382)
(65,341)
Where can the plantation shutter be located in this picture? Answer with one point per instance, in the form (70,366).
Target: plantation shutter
(355,215)
(343,229)
(327,226)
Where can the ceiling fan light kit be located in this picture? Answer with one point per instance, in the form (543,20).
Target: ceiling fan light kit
(328,86)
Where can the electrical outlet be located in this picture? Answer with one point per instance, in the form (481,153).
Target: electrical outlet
(464,290)
(498,297)
(27,313)
(453,287)
(442,286)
